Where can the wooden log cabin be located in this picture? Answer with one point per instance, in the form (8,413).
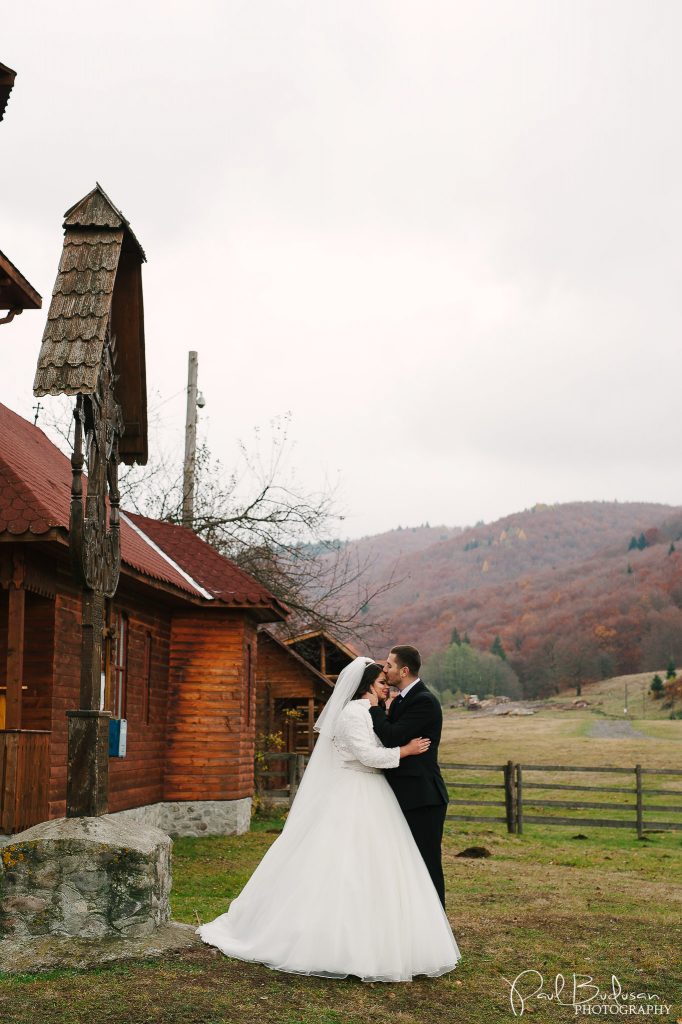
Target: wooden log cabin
(179,658)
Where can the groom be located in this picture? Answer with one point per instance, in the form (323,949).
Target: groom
(417,781)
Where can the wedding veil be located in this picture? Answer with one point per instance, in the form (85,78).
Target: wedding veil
(317,779)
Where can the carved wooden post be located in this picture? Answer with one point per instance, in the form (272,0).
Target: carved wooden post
(95,315)
(96,560)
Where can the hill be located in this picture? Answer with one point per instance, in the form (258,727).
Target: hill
(559,584)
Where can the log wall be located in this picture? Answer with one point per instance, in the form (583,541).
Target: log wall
(199,742)
(137,778)
(211,723)
(38,652)
(36,712)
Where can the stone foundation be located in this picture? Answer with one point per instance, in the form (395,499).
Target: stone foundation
(185,817)
(88,878)
(192,817)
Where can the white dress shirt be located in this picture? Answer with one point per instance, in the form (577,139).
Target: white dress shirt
(404,693)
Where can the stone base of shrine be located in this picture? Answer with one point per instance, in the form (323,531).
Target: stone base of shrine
(192,817)
(46,952)
(89,878)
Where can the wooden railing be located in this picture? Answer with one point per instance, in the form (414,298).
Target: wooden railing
(515,799)
(24,778)
(290,776)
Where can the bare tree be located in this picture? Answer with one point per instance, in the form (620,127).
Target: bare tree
(261,518)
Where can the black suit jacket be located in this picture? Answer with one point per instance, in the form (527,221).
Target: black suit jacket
(417,781)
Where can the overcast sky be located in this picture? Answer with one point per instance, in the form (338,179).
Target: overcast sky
(445,236)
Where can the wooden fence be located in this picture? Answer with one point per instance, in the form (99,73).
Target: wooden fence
(24,778)
(290,774)
(513,797)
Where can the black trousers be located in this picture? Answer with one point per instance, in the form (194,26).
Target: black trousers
(426,825)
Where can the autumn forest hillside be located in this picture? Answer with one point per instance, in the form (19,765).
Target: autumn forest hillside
(575,591)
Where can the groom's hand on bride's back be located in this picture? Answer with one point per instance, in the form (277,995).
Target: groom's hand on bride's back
(419,745)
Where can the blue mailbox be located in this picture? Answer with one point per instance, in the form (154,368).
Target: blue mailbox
(118,729)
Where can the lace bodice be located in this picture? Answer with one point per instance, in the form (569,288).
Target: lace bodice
(356,743)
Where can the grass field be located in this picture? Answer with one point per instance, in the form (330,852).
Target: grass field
(609,696)
(608,904)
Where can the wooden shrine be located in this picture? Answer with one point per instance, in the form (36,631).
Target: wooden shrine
(93,348)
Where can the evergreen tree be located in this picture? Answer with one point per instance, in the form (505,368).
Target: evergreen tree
(671,672)
(497,648)
(465,639)
(641,542)
(671,548)
(455,638)
(633,544)
(656,686)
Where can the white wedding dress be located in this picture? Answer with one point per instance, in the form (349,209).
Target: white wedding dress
(343,890)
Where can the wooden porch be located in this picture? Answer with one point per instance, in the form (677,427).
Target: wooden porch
(24,778)
(26,668)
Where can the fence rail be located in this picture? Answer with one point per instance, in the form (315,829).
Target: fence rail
(291,774)
(514,798)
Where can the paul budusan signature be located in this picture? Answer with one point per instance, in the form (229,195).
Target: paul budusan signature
(581,992)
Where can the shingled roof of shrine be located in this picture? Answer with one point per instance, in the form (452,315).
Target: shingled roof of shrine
(98,289)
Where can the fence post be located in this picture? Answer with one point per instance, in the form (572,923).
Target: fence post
(519,800)
(293,781)
(509,795)
(638,780)
(296,766)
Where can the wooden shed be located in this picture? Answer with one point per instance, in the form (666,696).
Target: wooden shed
(178,665)
(323,651)
(290,694)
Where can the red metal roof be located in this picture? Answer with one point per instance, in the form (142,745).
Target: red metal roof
(35,494)
(211,570)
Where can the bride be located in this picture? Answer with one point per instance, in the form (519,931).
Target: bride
(343,890)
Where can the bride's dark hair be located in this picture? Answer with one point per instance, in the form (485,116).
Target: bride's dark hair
(369,676)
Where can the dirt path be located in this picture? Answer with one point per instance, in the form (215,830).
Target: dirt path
(614,730)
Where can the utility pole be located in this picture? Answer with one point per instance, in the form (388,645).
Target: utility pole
(190,442)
